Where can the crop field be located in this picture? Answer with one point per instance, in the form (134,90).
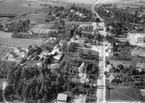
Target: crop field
(15,6)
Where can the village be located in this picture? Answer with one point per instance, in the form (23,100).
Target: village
(67,54)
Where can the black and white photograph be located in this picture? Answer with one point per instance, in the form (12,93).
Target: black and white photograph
(72,51)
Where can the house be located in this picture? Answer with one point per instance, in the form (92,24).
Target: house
(75,80)
(81,68)
(122,38)
(125,94)
(138,63)
(138,51)
(16,54)
(137,38)
(41,28)
(80,99)
(54,66)
(111,77)
(61,98)
(58,56)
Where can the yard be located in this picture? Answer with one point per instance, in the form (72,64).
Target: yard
(115,62)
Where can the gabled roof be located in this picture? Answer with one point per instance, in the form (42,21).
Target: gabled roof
(134,32)
(111,77)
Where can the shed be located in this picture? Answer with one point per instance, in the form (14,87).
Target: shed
(61,98)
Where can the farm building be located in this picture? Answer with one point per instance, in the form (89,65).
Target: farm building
(42,28)
(137,38)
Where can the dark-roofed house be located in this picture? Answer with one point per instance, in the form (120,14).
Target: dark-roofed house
(124,94)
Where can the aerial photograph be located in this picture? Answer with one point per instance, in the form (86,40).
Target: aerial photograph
(72,51)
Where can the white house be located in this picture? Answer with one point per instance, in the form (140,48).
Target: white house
(137,38)
(41,28)
(61,98)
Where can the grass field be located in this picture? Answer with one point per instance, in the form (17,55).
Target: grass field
(20,42)
(5,39)
(131,3)
(117,62)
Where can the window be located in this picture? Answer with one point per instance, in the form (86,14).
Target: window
(140,40)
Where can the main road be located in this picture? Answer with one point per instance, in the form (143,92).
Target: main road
(101,83)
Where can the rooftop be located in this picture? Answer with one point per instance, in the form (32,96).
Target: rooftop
(16,54)
(61,97)
(140,32)
(43,26)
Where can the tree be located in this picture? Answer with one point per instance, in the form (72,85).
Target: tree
(120,67)
(97,20)
(1,26)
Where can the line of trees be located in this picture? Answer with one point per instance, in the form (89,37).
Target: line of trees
(34,35)
(17,26)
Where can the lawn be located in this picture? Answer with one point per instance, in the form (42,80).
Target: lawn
(115,62)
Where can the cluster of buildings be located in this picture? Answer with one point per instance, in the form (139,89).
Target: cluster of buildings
(130,84)
(13,53)
(41,29)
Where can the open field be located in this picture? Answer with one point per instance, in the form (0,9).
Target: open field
(134,4)
(19,42)
(16,7)
(5,39)
(131,3)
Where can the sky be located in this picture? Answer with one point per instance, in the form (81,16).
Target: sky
(93,1)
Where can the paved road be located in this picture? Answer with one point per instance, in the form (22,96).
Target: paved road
(94,11)
(101,91)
